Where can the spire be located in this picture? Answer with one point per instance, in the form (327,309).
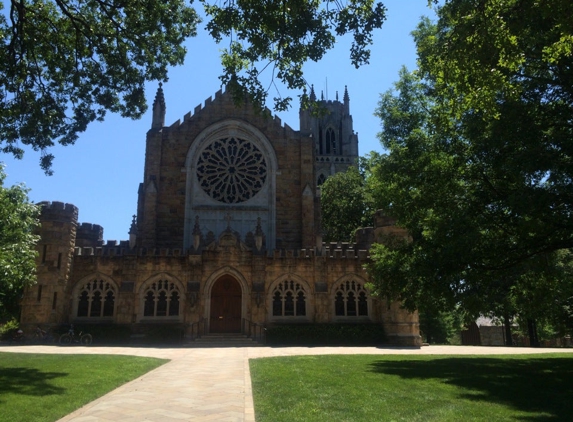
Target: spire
(336,95)
(133,227)
(312,94)
(133,233)
(346,100)
(322,95)
(158,109)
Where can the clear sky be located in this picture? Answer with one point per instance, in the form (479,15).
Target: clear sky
(101,173)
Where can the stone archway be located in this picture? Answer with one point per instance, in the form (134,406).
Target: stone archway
(226,304)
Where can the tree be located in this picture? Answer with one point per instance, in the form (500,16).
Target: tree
(66,63)
(440,327)
(18,220)
(479,158)
(347,200)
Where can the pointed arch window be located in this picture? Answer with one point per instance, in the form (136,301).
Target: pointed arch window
(321,179)
(289,299)
(330,139)
(161,299)
(332,146)
(351,300)
(96,299)
(320,143)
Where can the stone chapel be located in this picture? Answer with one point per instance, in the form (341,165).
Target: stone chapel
(227,230)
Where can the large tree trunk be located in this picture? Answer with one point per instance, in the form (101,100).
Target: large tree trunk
(532,330)
(507,327)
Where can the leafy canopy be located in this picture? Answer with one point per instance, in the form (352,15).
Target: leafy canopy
(66,63)
(479,158)
(348,200)
(18,220)
(283,35)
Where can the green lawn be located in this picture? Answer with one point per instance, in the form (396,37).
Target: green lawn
(38,387)
(413,388)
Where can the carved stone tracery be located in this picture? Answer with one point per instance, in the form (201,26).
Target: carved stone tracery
(231,170)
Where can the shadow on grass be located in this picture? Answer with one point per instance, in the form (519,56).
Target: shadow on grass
(29,382)
(529,384)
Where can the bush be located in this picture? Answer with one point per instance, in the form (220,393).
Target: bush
(101,333)
(326,334)
(163,333)
(124,334)
(7,330)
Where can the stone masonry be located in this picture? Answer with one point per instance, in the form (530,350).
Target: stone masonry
(227,228)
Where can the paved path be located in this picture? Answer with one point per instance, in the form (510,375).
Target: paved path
(210,384)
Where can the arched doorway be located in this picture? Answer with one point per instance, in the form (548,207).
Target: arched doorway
(226,298)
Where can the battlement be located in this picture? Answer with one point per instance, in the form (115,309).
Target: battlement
(383,220)
(335,159)
(364,237)
(218,97)
(89,235)
(58,211)
(328,251)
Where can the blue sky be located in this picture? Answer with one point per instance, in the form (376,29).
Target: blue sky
(101,173)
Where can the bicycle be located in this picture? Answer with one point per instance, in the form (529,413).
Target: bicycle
(17,336)
(70,337)
(42,336)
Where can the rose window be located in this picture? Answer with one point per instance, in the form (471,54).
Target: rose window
(231,170)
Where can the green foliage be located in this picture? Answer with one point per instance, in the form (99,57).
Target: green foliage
(8,329)
(325,334)
(348,200)
(42,387)
(65,64)
(478,164)
(282,35)
(440,327)
(18,220)
(412,388)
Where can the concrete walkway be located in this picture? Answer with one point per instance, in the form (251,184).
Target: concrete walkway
(211,384)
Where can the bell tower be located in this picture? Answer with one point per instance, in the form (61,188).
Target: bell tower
(329,123)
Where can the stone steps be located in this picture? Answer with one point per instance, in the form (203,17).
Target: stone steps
(224,340)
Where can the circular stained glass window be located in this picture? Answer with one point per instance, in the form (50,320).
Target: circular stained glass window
(231,170)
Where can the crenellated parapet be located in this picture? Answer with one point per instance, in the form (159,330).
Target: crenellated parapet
(328,251)
(219,96)
(385,227)
(89,235)
(58,211)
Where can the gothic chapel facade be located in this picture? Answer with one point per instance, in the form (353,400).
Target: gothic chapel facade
(227,230)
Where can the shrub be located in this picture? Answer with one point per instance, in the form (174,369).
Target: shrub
(7,330)
(326,334)
(163,333)
(101,333)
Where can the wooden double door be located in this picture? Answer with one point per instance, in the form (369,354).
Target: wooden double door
(226,300)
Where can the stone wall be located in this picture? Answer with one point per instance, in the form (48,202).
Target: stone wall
(161,211)
(48,301)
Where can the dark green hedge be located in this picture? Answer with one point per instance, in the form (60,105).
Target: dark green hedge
(123,334)
(326,334)
(162,333)
(101,333)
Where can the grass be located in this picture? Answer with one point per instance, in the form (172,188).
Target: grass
(413,388)
(38,387)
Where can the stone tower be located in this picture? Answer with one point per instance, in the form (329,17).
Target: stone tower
(329,123)
(47,301)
